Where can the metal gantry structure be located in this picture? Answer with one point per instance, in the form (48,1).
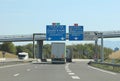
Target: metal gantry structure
(40,37)
(88,36)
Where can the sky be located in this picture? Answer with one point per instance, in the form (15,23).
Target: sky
(32,16)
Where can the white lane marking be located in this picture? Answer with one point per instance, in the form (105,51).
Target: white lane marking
(28,69)
(71,73)
(14,65)
(67,66)
(103,70)
(75,77)
(15,75)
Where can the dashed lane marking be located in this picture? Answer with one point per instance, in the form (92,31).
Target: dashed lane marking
(71,73)
(15,75)
(75,77)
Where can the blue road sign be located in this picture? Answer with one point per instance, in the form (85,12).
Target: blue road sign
(56,32)
(76,33)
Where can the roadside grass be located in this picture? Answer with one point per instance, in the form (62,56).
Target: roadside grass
(114,61)
(8,55)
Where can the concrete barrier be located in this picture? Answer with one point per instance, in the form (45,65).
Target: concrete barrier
(2,59)
(79,60)
(75,60)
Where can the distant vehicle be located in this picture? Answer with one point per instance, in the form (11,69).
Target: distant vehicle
(23,55)
(58,53)
(68,55)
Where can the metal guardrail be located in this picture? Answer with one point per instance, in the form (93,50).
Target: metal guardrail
(12,61)
(114,67)
(109,64)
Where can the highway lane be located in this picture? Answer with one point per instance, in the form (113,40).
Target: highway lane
(88,73)
(76,71)
(35,72)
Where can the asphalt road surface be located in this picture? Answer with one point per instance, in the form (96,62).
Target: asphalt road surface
(77,71)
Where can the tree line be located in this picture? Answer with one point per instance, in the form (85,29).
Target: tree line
(82,51)
(11,48)
(78,51)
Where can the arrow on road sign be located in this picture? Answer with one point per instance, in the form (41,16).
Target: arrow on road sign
(49,38)
(62,38)
(76,38)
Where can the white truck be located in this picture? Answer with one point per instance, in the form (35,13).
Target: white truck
(58,52)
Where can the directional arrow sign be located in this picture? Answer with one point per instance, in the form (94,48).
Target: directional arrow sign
(55,32)
(49,38)
(62,38)
(76,38)
(76,33)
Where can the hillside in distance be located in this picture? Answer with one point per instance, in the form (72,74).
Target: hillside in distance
(8,55)
(115,55)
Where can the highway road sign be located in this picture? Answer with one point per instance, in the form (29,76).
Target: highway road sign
(76,33)
(56,32)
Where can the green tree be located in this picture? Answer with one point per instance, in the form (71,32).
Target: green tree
(107,52)
(88,51)
(26,48)
(8,47)
(47,51)
(19,49)
(29,49)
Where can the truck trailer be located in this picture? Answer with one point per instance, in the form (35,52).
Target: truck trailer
(58,53)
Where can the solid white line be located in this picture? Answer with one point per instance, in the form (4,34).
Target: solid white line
(14,65)
(15,75)
(71,73)
(103,70)
(75,77)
